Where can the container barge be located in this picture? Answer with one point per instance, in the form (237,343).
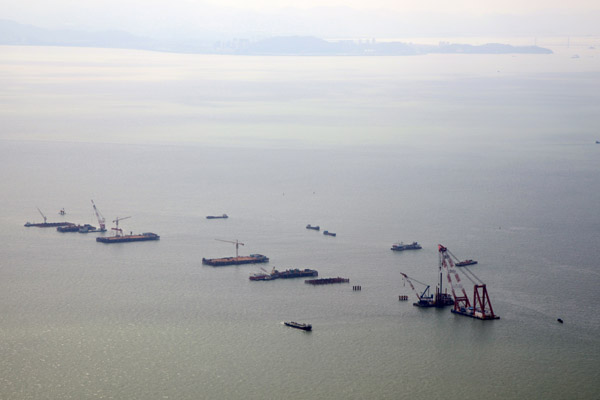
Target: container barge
(238,260)
(287,274)
(128,238)
(326,281)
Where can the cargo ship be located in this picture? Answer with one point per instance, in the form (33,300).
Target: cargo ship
(128,238)
(297,325)
(224,216)
(329,233)
(238,260)
(314,228)
(401,246)
(326,281)
(75,228)
(287,274)
(465,263)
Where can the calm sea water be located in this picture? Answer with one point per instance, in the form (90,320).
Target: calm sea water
(492,156)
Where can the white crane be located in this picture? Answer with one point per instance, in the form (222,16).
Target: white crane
(117,229)
(43,216)
(101,219)
(237,245)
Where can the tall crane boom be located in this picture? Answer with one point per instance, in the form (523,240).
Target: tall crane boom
(460,302)
(43,216)
(237,244)
(422,296)
(101,219)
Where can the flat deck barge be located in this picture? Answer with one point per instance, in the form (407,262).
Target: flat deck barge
(287,274)
(128,238)
(48,224)
(469,312)
(327,281)
(221,262)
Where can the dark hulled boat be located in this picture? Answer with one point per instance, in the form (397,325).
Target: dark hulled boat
(297,325)
(128,238)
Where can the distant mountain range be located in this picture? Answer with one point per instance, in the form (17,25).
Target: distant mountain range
(13,33)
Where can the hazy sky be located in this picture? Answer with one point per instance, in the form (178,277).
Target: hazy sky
(318,17)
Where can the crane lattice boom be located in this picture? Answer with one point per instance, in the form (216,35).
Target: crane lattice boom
(237,244)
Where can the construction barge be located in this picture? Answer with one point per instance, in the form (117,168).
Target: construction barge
(327,281)
(48,224)
(128,238)
(238,260)
(287,274)
(76,228)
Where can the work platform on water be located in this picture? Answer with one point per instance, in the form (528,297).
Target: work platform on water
(221,262)
(128,238)
(287,274)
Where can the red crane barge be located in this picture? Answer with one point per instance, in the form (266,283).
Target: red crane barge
(482,307)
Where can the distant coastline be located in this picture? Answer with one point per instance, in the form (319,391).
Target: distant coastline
(13,33)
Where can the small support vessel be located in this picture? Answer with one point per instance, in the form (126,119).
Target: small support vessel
(314,228)
(326,281)
(297,325)
(224,216)
(465,263)
(327,233)
(401,246)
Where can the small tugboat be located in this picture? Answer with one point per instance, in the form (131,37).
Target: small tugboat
(314,228)
(329,233)
(304,327)
(224,216)
(465,263)
(401,246)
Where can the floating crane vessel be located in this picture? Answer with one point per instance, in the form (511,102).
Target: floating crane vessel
(237,260)
(47,224)
(482,306)
(120,238)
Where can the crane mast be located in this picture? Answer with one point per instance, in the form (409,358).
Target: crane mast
(101,219)
(460,302)
(237,244)
(118,231)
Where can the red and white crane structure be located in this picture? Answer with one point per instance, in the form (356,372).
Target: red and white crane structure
(482,307)
(118,231)
(101,219)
